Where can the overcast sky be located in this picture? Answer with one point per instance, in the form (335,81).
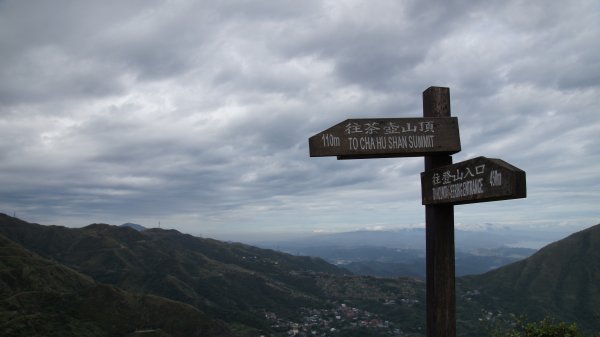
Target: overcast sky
(196,114)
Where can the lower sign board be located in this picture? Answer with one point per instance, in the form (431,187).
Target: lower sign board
(476,180)
(387,137)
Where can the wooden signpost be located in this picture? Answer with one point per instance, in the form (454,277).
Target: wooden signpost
(443,185)
(475,180)
(387,137)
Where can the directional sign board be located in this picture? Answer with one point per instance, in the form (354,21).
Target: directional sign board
(387,137)
(475,180)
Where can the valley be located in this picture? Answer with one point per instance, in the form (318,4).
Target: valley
(243,290)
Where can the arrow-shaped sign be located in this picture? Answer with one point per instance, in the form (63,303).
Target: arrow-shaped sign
(475,180)
(387,137)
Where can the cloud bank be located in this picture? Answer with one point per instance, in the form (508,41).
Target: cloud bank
(196,114)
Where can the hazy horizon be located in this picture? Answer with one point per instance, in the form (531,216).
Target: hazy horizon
(534,237)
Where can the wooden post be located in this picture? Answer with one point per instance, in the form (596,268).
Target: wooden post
(439,229)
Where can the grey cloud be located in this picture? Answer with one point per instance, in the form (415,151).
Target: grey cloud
(49,51)
(199,112)
(378,46)
(48,74)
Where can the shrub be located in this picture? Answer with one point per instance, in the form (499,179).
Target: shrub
(547,327)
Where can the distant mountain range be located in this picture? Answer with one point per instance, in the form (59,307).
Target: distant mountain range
(488,237)
(402,252)
(135,226)
(58,281)
(393,262)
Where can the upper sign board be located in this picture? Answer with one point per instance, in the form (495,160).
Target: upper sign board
(387,137)
(475,180)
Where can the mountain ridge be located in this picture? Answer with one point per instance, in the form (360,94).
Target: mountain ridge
(242,285)
(135,226)
(561,280)
(42,297)
(230,281)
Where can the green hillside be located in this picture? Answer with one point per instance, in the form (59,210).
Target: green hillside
(562,280)
(233,282)
(43,298)
(258,291)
